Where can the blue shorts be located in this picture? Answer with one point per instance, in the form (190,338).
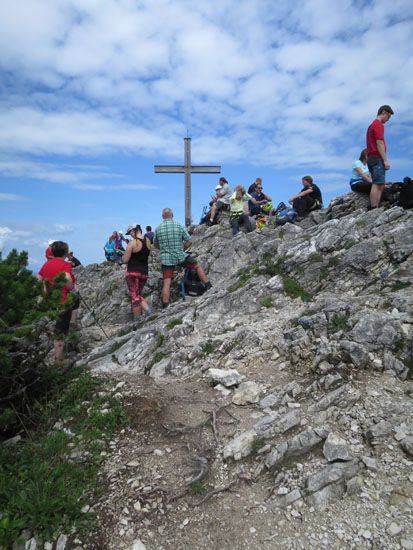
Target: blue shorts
(376,169)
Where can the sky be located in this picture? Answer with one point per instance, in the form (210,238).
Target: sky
(94,93)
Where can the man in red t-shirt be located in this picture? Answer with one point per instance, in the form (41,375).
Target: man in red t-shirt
(377,155)
(48,272)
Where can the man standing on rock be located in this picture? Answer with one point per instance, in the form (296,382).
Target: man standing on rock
(173,239)
(377,161)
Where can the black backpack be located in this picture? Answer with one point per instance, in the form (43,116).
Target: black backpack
(192,284)
(406,194)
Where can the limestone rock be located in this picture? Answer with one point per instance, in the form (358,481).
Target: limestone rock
(247,392)
(336,448)
(226,377)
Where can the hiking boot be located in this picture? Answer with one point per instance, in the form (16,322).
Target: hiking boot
(148,313)
(207,285)
(164,306)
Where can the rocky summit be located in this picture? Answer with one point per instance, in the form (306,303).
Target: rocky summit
(275,410)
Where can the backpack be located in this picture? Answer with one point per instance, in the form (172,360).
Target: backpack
(406,194)
(286,215)
(191,284)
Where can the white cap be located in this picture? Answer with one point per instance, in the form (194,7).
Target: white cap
(50,243)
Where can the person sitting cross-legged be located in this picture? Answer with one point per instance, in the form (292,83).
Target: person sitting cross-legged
(173,239)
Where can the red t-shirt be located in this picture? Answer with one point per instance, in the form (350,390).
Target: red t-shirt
(374,132)
(52,268)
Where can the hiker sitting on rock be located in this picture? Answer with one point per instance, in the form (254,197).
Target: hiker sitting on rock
(237,215)
(172,239)
(112,253)
(308,199)
(222,202)
(136,274)
(47,274)
(360,180)
(260,203)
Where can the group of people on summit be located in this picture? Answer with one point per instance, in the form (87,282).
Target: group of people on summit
(172,239)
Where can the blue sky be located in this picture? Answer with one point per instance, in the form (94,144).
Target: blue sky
(93,93)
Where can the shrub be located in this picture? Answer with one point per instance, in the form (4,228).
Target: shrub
(339,322)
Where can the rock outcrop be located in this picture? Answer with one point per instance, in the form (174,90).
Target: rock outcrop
(316,320)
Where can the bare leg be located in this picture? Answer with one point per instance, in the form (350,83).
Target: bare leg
(136,311)
(59,350)
(375,195)
(213,212)
(166,290)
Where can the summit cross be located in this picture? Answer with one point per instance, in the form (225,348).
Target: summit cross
(187,169)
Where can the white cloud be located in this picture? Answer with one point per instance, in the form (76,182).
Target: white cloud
(275,84)
(5,233)
(11,197)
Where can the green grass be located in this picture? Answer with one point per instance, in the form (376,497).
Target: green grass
(299,269)
(43,488)
(266,301)
(339,322)
(158,341)
(244,277)
(208,347)
(257,445)
(291,287)
(197,488)
(173,323)
(333,261)
(324,271)
(315,258)
(295,290)
(399,285)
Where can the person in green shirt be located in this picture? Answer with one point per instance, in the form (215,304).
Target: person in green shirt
(173,239)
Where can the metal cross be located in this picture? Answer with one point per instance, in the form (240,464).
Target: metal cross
(187,169)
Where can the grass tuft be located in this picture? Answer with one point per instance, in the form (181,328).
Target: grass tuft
(173,323)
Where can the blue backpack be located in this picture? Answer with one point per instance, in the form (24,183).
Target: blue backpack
(286,215)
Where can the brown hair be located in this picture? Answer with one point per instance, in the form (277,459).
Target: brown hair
(363,155)
(309,179)
(239,192)
(385,109)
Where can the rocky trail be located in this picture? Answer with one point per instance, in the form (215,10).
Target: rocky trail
(275,411)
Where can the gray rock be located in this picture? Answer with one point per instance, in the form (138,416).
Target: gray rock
(247,392)
(336,448)
(407,445)
(330,474)
(289,498)
(277,455)
(326,495)
(275,424)
(328,400)
(61,542)
(240,446)
(226,377)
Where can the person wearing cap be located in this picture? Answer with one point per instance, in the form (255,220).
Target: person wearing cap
(120,240)
(173,239)
(223,197)
(136,274)
(49,251)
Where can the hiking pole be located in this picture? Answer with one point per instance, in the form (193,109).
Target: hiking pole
(93,314)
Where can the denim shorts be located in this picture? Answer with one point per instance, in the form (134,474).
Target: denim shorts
(376,169)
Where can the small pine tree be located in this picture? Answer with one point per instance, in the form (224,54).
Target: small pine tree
(23,304)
